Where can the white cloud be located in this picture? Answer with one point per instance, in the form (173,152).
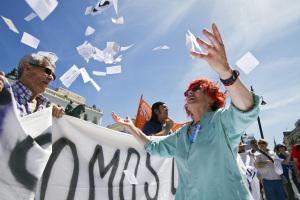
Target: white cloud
(282,103)
(256,22)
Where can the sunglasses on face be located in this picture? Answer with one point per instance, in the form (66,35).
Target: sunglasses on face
(46,70)
(194,89)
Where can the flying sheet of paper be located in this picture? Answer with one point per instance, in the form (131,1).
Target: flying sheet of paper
(191,42)
(43,8)
(30,17)
(70,76)
(118,59)
(52,56)
(126,47)
(98,73)
(89,31)
(112,48)
(119,20)
(100,6)
(108,58)
(115,3)
(97,87)
(30,40)
(247,62)
(86,50)
(85,76)
(114,69)
(10,24)
(130,177)
(163,47)
(88,10)
(98,55)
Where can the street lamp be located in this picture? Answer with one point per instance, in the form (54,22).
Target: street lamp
(258,119)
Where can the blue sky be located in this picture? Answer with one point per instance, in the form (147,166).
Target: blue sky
(269,29)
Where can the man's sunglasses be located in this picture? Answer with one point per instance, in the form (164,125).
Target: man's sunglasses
(194,89)
(46,70)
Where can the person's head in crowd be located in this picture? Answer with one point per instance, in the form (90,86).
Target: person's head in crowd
(262,144)
(280,149)
(208,94)
(242,147)
(254,145)
(159,112)
(36,72)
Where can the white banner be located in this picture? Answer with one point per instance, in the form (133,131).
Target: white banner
(70,158)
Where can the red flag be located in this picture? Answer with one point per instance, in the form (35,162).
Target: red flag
(143,113)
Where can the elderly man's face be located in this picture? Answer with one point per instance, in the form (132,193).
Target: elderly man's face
(37,77)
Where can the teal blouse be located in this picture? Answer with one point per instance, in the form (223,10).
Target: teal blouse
(207,168)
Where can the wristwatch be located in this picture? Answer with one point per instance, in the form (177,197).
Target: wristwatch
(232,79)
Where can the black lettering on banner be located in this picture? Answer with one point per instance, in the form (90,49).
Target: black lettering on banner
(173,189)
(56,149)
(129,153)
(18,157)
(146,186)
(114,163)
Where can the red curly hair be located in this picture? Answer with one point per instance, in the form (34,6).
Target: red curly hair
(210,89)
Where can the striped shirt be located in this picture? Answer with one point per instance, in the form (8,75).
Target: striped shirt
(22,96)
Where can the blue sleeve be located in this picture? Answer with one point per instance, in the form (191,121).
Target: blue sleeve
(235,121)
(149,129)
(165,147)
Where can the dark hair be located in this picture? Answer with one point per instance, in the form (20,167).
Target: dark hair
(154,107)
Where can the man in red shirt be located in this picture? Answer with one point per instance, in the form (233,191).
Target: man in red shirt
(295,153)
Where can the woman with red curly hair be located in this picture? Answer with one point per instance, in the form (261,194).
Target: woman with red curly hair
(205,149)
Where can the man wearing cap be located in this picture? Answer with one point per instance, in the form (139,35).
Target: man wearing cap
(264,162)
(35,72)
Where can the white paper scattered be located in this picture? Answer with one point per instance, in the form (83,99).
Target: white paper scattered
(85,76)
(107,55)
(115,3)
(114,69)
(191,42)
(86,50)
(88,10)
(30,17)
(163,47)
(10,24)
(118,59)
(43,8)
(119,20)
(30,40)
(126,47)
(100,6)
(247,62)
(98,73)
(52,56)
(89,31)
(70,76)
(98,55)
(130,177)
(97,87)
(112,48)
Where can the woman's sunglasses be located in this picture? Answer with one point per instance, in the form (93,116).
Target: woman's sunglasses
(194,89)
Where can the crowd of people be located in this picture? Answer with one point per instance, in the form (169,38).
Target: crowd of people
(273,174)
(205,149)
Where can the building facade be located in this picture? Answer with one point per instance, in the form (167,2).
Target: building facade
(292,137)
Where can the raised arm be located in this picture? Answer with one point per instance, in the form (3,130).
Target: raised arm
(216,58)
(136,132)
